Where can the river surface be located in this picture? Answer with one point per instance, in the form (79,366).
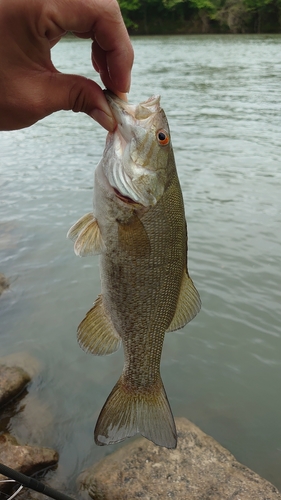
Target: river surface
(222,371)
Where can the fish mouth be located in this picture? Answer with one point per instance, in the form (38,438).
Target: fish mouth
(128,115)
(126,175)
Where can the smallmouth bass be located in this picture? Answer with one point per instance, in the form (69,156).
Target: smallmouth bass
(138,227)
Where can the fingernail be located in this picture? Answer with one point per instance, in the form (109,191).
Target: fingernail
(103,119)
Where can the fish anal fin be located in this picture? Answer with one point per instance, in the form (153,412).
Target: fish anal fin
(96,332)
(188,305)
(133,238)
(127,412)
(87,236)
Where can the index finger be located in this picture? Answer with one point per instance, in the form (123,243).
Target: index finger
(112,51)
(102,21)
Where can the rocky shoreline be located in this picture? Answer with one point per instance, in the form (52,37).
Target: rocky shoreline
(199,469)
(16,372)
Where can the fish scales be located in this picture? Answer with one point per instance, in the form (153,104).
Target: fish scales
(157,276)
(139,228)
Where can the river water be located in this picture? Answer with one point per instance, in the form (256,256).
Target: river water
(222,371)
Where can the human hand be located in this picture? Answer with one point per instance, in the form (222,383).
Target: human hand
(31,87)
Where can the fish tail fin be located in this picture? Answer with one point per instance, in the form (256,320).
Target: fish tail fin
(127,412)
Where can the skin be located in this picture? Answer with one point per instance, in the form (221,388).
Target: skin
(30,85)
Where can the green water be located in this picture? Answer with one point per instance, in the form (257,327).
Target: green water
(223,371)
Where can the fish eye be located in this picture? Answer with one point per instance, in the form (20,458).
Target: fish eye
(163,137)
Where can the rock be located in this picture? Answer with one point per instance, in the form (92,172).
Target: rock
(25,459)
(22,360)
(13,380)
(16,371)
(33,421)
(199,469)
(4,283)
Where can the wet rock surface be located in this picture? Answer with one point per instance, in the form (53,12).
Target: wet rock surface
(22,360)
(16,371)
(25,459)
(199,469)
(13,380)
(27,418)
(32,421)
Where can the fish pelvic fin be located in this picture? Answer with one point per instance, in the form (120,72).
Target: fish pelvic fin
(96,333)
(87,236)
(188,305)
(127,412)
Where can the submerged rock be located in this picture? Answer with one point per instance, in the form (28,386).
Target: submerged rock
(4,283)
(22,360)
(199,469)
(25,459)
(16,371)
(13,380)
(33,421)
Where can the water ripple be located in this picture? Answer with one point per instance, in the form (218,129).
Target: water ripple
(222,97)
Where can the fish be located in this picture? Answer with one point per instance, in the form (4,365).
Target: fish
(138,227)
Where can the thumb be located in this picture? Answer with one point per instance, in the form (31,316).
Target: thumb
(77,93)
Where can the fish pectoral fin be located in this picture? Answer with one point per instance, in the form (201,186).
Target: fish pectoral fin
(87,236)
(133,238)
(188,305)
(79,226)
(96,333)
(127,412)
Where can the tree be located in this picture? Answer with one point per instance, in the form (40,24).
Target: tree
(258,9)
(235,15)
(206,10)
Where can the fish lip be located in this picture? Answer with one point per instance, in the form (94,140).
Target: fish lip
(143,112)
(117,105)
(124,115)
(110,96)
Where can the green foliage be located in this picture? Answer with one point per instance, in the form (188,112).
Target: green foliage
(127,6)
(170,4)
(256,4)
(184,16)
(206,5)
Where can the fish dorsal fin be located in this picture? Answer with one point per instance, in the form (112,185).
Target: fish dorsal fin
(133,238)
(96,333)
(87,236)
(188,305)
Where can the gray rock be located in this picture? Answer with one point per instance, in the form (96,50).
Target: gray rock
(199,469)
(25,459)
(12,382)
